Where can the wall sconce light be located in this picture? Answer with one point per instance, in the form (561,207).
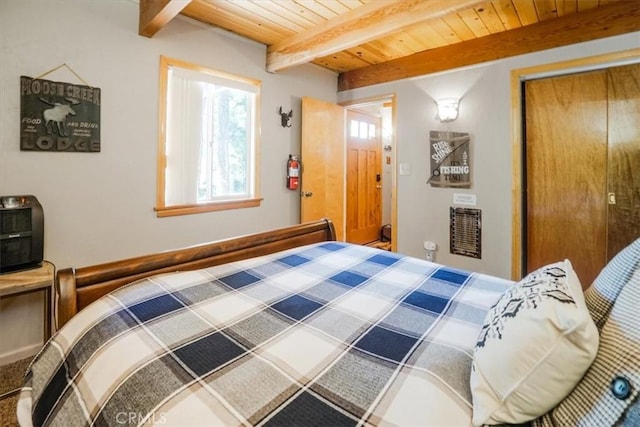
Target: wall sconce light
(447,109)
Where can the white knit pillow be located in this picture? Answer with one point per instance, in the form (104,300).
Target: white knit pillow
(536,344)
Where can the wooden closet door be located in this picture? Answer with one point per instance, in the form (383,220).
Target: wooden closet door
(624,157)
(565,166)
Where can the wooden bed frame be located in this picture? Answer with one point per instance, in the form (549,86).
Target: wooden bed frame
(78,287)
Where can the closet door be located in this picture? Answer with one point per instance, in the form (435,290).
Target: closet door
(624,157)
(582,168)
(565,167)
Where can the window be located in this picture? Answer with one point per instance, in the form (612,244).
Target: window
(362,130)
(208,143)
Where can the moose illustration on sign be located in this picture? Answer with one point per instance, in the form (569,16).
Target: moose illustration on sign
(57,115)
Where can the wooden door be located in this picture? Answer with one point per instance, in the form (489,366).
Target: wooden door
(565,164)
(322,156)
(364,178)
(624,157)
(582,168)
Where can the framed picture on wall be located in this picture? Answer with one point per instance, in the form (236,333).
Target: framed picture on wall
(59,116)
(450,159)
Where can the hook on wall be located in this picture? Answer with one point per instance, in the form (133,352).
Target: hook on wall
(285,118)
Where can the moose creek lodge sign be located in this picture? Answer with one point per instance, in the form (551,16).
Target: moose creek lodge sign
(450,159)
(57,116)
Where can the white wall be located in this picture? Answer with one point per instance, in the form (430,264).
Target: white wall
(423,211)
(99,207)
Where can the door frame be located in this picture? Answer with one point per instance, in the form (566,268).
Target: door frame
(382,99)
(518,76)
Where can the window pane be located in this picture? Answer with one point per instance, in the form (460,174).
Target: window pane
(210,137)
(363,130)
(225,155)
(354,128)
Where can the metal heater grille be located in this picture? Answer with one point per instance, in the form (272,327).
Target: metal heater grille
(465,232)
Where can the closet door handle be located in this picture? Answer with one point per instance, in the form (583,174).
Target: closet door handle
(612,198)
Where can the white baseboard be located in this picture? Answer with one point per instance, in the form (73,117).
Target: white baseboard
(21,353)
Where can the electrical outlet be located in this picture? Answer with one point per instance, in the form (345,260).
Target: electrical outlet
(429,246)
(430,256)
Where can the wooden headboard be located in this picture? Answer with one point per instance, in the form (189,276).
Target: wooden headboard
(78,287)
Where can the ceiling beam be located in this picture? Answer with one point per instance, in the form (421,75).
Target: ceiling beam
(605,21)
(371,21)
(155,14)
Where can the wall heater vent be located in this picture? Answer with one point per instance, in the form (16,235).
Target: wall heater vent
(465,232)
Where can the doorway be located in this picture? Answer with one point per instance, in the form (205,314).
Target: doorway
(566,141)
(325,177)
(364,177)
(370,171)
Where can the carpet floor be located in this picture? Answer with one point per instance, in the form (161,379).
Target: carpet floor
(11,377)
(8,411)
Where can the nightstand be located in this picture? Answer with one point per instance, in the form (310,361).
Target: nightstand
(32,280)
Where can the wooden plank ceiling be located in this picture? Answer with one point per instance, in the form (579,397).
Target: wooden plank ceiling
(375,41)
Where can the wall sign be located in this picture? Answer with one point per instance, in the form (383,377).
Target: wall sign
(464,199)
(450,159)
(58,116)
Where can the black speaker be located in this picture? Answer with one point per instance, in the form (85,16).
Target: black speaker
(21,233)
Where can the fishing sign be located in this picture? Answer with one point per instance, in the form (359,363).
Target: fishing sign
(57,116)
(450,159)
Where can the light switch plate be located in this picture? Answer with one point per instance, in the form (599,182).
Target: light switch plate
(405,168)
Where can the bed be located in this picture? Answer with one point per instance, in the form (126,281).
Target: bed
(286,327)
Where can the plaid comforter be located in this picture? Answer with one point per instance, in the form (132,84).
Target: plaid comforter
(328,334)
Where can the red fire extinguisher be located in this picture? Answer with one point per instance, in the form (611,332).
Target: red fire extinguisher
(293,172)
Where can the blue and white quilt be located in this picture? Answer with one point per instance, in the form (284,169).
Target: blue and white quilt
(329,334)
